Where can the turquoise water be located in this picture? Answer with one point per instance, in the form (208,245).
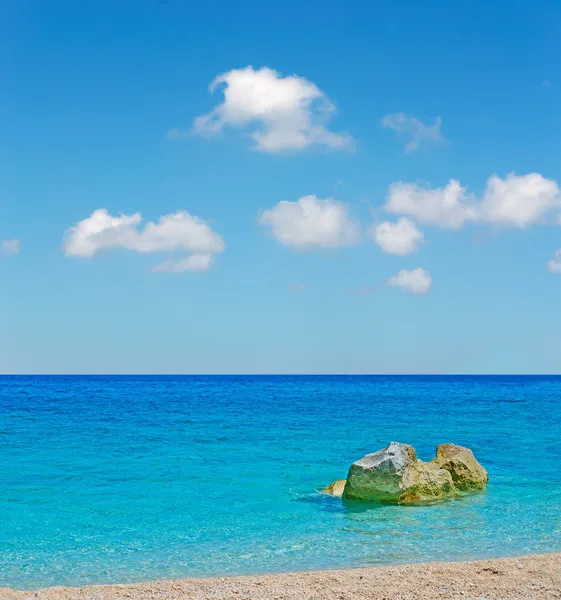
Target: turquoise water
(115,479)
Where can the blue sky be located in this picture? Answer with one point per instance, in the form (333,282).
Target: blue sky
(392,101)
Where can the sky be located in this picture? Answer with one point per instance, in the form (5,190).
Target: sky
(282,187)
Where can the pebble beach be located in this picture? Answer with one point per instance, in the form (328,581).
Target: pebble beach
(535,577)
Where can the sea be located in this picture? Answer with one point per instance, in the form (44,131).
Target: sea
(113,479)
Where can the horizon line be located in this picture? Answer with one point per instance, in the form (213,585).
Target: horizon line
(390,374)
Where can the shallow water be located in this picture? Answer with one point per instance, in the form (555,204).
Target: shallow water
(117,479)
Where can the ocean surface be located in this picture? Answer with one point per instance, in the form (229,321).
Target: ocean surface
(125,478)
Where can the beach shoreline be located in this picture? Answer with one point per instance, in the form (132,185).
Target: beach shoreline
(532,577)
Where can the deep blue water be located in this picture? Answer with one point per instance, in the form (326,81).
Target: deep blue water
(114,479)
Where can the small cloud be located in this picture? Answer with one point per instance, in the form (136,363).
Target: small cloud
(418,281)
(419,133)
(279,113)
(448,207)
(11,246)
(402,237)
(519,200)
(311,222)
(554,265)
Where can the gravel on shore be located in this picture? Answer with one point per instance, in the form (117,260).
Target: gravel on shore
(526,578)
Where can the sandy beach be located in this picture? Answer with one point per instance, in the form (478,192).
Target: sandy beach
(524,578)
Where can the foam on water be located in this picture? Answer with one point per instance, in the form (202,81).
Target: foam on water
(117,479)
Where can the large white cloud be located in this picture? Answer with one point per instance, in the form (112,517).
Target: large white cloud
(554,265)
(418,132)
(10,246)
(176,232)
(280,113)
(418,281)
(311,222)
(515,200)
(402,237)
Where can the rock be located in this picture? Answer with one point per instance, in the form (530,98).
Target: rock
(336,488)
(467,474)
(433,484)
(384,476)
(395,475)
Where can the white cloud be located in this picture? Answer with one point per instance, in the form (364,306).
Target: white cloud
(402,237)
(519,200)
(101,231)
(515,200)
(449,207)
(418,132)
(11,246)
(418,281)
(311,223)
(280,113)
(554,265)
(177,232)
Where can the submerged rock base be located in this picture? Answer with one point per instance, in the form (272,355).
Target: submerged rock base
(396,475)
